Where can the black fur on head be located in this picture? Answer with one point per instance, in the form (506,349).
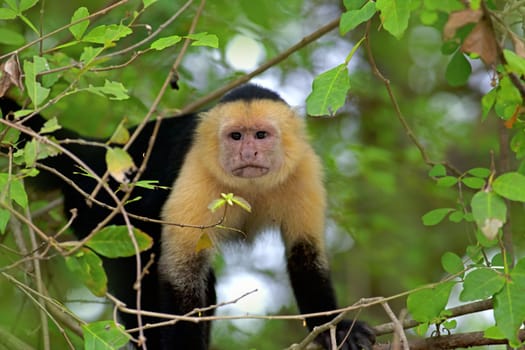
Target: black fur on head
(249,92)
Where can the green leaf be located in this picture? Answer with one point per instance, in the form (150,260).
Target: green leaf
(114,89)
(12,4)
(509,306)
(450,324)
(475,253)
(34,150)
(452,263)
(493,333)
(517,145)
(26,4)
(150,185)
(36,92)
(510,186)
(329,91)
(473,182)
(148,3)
(438,170)
(488,240)
(9,135)
(7,13)
(457,216)
(488,101)
(104,335)
(394,15)
(22,113)
(28,23)
(458,70)
(497,260)
(428,18)
(119,163)
(88,267)
(435,216)
(489,211)
(80,28)
(479,172)
(204,39)
(449,47)
(508,98)
(447,181)
(354,4)
(481,284)
(18,193)
(515,63)
(162,43)
(5,215)
(30,152)
(422,329)
(475,4)
(50,126)
(353,18)
(107,34)
(90,53)
(427,305)
(114,241)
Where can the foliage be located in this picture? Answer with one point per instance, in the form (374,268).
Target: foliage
(394,148)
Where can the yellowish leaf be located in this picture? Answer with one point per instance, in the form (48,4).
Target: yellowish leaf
(204,242)
(121,134)
(120,164)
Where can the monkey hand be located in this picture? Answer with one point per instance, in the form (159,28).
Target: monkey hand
(350,335)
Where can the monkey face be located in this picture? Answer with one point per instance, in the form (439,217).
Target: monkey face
(254,144)
(250,151)
(249,139)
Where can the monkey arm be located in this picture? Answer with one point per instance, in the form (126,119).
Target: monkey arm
(182,289)
(310,279)
(187,280)
(306,258)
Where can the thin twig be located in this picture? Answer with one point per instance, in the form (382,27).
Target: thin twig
(408,130)
(151,36)
(39,286)
(399,332)
(56,31)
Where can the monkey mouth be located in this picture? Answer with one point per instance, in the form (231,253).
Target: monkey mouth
(249,171)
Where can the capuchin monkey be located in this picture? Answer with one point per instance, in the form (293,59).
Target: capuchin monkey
(251,144)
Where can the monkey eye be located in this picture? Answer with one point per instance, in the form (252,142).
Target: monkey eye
(236,135)
(261,134)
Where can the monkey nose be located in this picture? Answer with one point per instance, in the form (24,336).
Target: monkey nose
(248,154)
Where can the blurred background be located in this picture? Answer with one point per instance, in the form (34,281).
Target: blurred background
(378,185)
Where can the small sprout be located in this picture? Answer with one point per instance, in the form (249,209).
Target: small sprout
(230,199)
